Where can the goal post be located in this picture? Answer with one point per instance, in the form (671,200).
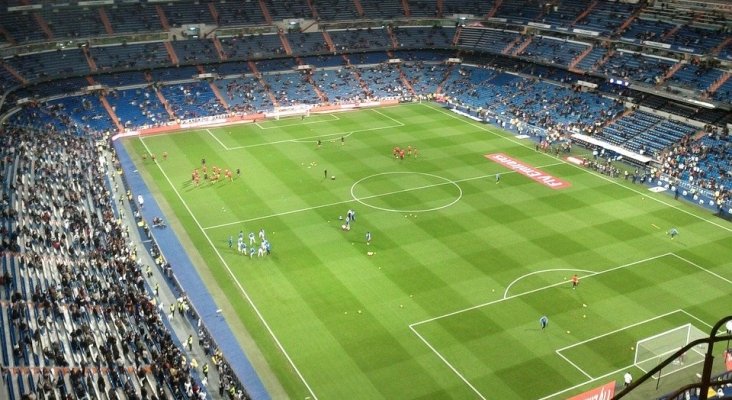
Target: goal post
(290,111)
(650,351)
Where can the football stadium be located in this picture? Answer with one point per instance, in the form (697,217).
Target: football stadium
(358,199)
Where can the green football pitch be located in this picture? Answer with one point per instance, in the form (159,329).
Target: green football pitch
(445,301)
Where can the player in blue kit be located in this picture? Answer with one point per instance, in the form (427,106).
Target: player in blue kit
(543,322)
(242,246)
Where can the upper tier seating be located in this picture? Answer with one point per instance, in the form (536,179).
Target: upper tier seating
(131,56)
(553,51)
(636,66)
(133,18)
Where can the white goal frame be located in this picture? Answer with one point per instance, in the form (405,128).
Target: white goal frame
(669,349)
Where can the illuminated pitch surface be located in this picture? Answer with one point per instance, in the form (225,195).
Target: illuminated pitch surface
(445,237)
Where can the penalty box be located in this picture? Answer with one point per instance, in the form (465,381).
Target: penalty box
(488,344)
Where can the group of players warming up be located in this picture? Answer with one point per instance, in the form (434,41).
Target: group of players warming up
(262,249)
(399,152)
(214,175)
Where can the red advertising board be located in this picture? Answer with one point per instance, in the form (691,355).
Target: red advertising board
(528,171)
(604,392)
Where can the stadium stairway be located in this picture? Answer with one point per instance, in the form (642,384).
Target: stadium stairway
(632,17)
(670,33)
(8,37)
(359,8)
(285,42)
(456,38)
(214,12)
(579,58)
(218,95)
(309,78)
(265,86)
(43,25)
(494,9)
(392,37)
(166,105)
(586,12)
(265,12)
(329,41)
(603,60)
(313,10)
(105,21)
(163,18)
(112,114)
(405,7)
(510,46)
(405,81)
(716,50)
(89,59)
(717,84)
(219,48)
(357,75)
(15,73)
(671,71)
(171,53)
(521,47)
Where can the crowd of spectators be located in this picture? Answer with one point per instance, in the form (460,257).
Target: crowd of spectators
(702,164)
(245,94)
(534,101)
(77,306)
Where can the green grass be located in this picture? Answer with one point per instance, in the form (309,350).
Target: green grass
(425,316)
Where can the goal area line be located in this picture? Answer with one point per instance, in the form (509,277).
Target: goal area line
(645,321)
(591,378)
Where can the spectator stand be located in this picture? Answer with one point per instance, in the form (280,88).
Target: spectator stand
(138,107)
(699,165)
(551,50)
(644,68)
(338,85)
(290,88)
(420,37)
(349,40)
(244,93)
(190,283)
(77,314)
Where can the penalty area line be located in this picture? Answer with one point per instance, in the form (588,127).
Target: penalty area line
(505,292)
(444,360)
(536,290)
(573,364)
(218,140)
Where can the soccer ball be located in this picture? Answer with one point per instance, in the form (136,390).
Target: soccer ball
(332,177)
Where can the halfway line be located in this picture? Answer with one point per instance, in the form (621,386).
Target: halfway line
(366,198)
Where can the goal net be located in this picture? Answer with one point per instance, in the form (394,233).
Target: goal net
(650,351)
(290,111)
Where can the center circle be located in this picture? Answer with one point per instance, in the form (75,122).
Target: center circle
(395,191)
